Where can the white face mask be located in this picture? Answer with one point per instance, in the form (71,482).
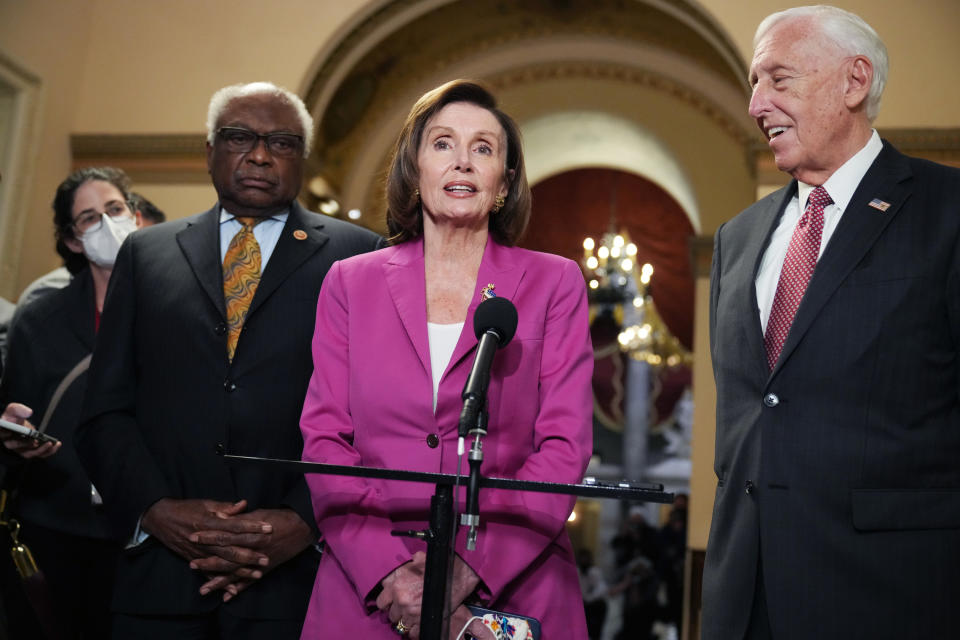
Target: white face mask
(102,244)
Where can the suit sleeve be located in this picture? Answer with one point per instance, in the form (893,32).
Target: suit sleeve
(22,381)
(517,527)
(348,510)
(109,442)
(953,306)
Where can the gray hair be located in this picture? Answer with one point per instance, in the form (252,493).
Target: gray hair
(850,33)
(223,97)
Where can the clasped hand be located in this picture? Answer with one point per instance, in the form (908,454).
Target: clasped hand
(402,597)
(232,548)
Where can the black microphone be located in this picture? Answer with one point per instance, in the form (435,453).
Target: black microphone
(494,323)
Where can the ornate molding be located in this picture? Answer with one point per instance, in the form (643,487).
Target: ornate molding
(628,75)
(915,141)
(352,40)
(150,158)
(656,20)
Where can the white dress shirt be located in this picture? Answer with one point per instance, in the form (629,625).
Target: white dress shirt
(841,187)
(267,234)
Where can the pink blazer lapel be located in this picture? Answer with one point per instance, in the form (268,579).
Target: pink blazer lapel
(499,270)
(404,274)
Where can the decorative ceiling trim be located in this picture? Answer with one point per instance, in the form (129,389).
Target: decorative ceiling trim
(150,158)
(628,75)
(138,144)
(409,48)
(333,64)
(329,65)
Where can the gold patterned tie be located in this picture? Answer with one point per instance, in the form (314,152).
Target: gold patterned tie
(241,275)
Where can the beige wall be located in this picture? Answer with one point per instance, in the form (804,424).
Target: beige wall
(114,66)
(170,55)
(921,39)
(50,39)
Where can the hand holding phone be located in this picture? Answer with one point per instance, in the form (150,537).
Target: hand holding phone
(24,431)
(507,626)
(27,441)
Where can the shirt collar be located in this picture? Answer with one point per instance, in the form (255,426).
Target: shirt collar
(226,216)
(845,180)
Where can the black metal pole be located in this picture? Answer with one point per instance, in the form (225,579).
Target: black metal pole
(440,535)
(433,622)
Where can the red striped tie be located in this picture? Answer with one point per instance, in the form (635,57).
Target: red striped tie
(796,273)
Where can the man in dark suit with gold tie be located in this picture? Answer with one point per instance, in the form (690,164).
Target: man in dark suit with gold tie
(835,335)
(206,344)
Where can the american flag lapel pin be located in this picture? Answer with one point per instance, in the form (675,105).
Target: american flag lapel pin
(879,204)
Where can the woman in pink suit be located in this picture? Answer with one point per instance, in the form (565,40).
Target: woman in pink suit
(393,346)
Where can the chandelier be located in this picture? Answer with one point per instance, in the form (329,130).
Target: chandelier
(615,279)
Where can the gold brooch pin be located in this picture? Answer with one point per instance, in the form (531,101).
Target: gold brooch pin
(488,292)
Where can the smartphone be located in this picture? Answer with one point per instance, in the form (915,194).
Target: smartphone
(26,432)
(508,626)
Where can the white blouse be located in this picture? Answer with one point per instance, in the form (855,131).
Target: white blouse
(443,339)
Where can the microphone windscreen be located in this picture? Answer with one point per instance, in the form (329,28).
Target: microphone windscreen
(497,314)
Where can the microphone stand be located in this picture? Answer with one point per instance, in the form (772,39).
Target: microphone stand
(471,517)
(439,535)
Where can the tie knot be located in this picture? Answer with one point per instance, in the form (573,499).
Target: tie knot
(249,222)
(819,198)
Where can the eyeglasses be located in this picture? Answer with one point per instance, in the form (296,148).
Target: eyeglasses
(239,140)
(92,220)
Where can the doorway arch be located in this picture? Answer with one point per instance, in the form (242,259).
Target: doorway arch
(663,71)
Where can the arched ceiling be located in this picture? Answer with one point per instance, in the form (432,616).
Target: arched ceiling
(363,85)
(393,41)
(560,142)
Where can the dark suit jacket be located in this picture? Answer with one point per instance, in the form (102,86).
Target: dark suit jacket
(162,397)
(52,334)
(840,471)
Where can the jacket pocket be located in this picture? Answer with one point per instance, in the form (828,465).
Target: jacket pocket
(900,509)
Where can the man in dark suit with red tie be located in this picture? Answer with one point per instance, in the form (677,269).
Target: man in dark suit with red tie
(206,345)
(835,335)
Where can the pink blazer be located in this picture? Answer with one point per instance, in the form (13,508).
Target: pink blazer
(370,403)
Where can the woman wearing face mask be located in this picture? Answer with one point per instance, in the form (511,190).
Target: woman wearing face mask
(55,503)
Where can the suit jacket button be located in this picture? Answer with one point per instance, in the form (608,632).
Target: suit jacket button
(433,440)
(748,487)
(771,400)
(228,385)
(220,329)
